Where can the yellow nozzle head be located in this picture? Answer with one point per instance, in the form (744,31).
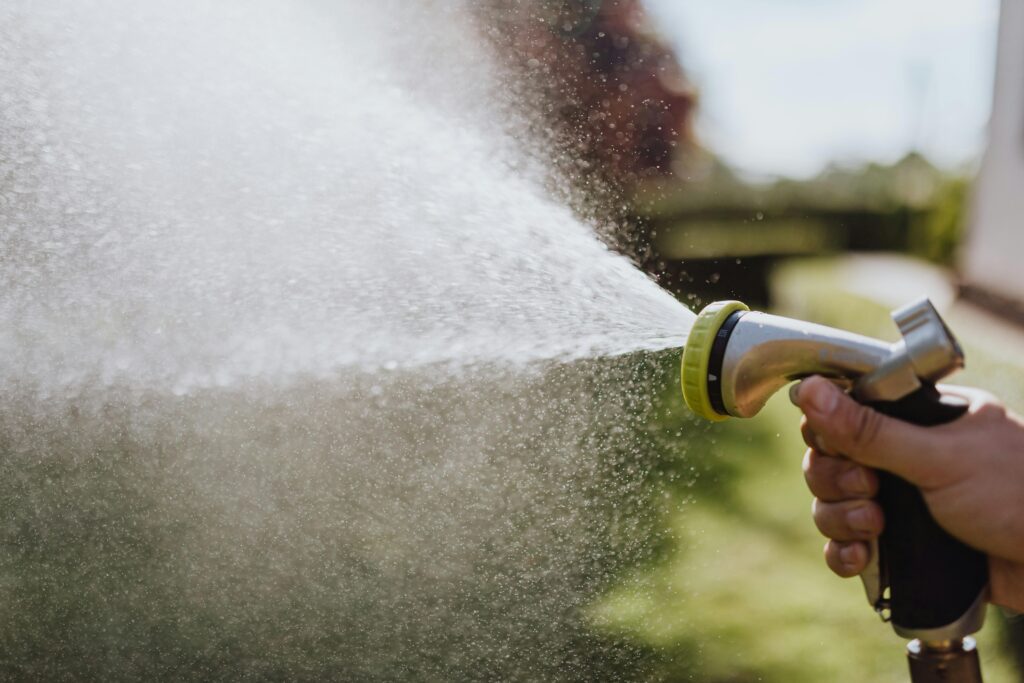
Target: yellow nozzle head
(697,356)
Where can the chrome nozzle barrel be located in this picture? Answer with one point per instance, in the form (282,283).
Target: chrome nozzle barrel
(749,356)
(765,352)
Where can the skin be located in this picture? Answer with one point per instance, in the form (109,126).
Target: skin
(971,473)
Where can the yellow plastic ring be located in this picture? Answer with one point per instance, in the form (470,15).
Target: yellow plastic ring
(697,356)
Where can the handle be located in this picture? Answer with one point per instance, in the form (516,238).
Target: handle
(933,578)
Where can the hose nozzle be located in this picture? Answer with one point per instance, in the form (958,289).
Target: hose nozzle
(931,586)
(735,359)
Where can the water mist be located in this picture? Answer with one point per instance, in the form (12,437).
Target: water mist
(282,300)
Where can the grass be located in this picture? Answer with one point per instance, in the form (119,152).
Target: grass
(742,594)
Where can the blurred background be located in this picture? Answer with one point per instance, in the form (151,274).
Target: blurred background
(759,132)
(830,161)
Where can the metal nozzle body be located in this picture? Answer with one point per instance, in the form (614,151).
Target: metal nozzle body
(765,352)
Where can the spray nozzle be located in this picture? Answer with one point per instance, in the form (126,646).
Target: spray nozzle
(931,586)
(735,359)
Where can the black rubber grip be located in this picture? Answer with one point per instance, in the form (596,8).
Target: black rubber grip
(933,578)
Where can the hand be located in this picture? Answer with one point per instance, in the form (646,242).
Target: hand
(971,473)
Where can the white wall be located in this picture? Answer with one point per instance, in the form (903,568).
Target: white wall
(994,256)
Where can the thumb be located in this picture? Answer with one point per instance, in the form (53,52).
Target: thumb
(867,436)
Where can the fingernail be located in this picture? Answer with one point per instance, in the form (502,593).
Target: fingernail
(848,554)
(855,481)
(860,519)
(823,397)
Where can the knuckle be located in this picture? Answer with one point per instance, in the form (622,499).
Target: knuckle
(873,520)
(870,479)
(865,425)
(833,560)
(831,554)
(807,433)
(809,463)
(824,518)
(821,473)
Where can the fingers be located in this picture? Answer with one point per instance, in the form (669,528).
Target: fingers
(846,559)
(868,437)
(848,520)
(832,479)
(811,439)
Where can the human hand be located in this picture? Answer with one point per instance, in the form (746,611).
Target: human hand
(970,472)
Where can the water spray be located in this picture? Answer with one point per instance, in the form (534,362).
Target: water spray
(931,587)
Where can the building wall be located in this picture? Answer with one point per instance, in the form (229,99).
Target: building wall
(993,260)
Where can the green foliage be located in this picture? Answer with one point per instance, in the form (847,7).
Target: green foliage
(937,234)
(910,206)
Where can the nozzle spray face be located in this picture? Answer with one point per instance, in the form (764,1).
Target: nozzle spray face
(699,371)
(735,359)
